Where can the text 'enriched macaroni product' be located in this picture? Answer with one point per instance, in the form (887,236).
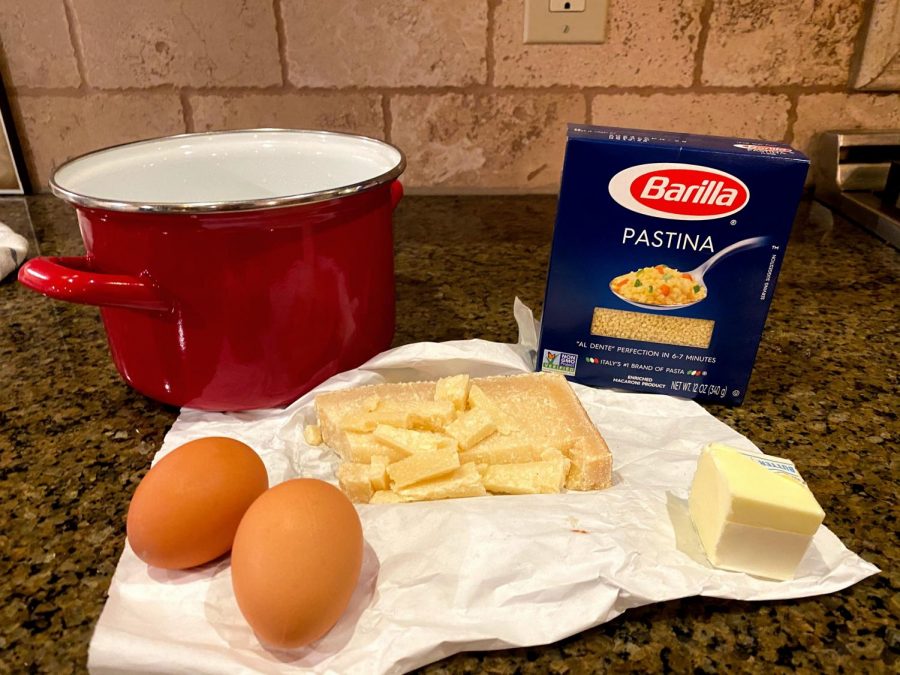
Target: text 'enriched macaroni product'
(665,255)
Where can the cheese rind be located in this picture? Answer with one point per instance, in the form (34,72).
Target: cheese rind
(750,516)
(589,468)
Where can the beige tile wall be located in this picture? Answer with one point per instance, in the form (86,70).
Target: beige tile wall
(447,80)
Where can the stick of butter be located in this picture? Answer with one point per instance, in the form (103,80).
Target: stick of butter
(753,512)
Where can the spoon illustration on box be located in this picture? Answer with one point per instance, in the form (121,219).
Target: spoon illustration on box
(664,288)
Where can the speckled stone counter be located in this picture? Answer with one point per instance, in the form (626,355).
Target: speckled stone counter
(75,441)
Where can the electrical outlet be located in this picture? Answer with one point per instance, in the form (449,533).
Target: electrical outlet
(565,21)
(567,5)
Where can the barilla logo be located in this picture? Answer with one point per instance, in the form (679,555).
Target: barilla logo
(679,191)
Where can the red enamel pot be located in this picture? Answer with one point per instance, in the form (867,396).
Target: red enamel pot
(234,270)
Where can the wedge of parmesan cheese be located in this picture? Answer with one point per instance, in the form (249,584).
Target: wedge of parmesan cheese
(520,432)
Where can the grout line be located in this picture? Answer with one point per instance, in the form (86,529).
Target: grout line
(281,36)
(859,42)
(791,118)
(387,116)
(187,111)
(475,90)
(489,46)
(588,112)
(77,47)
(34,238)
(705,14)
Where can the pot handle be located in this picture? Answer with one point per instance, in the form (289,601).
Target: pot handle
(396,193)
(72,280)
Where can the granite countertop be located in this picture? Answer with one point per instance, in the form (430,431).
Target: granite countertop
(75,441)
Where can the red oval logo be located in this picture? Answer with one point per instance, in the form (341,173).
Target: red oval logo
(689,192)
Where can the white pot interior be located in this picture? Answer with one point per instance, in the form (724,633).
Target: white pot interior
(227,167)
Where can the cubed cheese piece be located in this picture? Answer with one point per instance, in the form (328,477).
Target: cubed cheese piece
(422,466)
(387,497)
(367,421)
(591,466)
(463,482)
(354,480)
(363,447)
(500,449)
(544,477)
(312,434)
(753,513)
(431,415)
(454,389)
(410,441)
(370,403)
(471,427)
(378,474)
(478,400)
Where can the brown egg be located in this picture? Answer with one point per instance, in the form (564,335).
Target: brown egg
(296,559)
(189,505)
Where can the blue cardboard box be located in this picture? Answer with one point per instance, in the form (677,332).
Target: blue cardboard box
(666,251)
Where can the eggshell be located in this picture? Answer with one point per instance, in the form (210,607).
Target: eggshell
(295,562)
(189,505)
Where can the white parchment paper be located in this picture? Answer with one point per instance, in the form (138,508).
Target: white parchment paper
(466,574)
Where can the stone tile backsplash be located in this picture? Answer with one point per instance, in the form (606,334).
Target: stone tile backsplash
(451,83)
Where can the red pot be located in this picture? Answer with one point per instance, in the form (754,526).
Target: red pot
(234,270)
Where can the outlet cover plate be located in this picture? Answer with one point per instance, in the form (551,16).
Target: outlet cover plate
(550,22)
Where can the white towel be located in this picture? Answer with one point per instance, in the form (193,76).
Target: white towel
(13,249)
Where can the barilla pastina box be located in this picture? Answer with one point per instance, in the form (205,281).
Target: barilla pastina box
(665,255)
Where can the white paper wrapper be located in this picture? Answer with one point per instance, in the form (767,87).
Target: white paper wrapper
(466,574)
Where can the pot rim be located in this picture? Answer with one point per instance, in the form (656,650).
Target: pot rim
(87,201)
